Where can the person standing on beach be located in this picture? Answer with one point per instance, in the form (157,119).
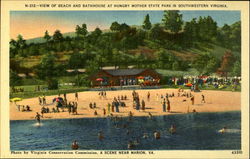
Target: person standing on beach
(166,95)
(104,111)
(168,108)
(44,99)
(38,117)
(105,94)
(137,106)
(113,106)
(108,107)
(90,105)
(40,100)
(18,107)
(192,99)
(164,105)
(75,105)
(203,99)
(148,96)
(65,96)
(76,96)
(116,106)
(143,105)
(69,107)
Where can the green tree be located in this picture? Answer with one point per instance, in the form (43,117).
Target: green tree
(92,67)
(21,45)
(172,20)
(20,41)
(156,32)
(146,23)
(47,68)
(82,80)
(124,27)
(46,36)
(236,71)
(236,36)
(207,28)
(57,36)
(205,63)
(97,32)
(175,66)
(165,59)
(13,48)
(115,26)
(77,60)
(81,31)
(15,80)
(191,32)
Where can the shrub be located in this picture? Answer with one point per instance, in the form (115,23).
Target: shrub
(52,84)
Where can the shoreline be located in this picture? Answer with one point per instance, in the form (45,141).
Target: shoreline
(216,101)
(125,116)
(13,95)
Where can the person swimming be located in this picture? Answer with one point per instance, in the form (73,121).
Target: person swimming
(74,145)
(223,130)
(38,117)
(130,145)
(172,129)
(145,135)
(136,142)
(100,135)
(150,115)
(157,135)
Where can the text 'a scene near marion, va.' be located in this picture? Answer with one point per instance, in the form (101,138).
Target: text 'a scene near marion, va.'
(118,80)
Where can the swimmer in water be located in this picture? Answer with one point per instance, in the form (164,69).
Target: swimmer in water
(100,135)
(150,115)
(137,142)
(157,135)
(38,117)
(130,145)
(223,130)
(145,135)
(172,129)
(74,145)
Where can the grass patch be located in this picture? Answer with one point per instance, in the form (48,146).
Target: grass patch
(32,93)
(170,73)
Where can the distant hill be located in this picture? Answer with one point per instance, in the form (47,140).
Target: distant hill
(42,40)
(69,34)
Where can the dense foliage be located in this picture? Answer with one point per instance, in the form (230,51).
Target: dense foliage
(146,46)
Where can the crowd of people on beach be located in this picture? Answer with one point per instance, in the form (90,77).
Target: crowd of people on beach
(114,106)
(23,108)
(42,100)
(102,94)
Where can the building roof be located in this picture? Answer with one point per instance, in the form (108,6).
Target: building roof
(124,72)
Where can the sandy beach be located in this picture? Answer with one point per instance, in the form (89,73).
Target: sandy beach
(215,101)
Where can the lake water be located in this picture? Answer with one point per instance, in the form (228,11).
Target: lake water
(194,132)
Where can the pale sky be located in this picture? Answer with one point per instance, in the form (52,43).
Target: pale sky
(32,24)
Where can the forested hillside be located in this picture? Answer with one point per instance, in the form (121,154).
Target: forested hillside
(172,44)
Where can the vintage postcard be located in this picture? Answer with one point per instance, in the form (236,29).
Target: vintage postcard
(124,79)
